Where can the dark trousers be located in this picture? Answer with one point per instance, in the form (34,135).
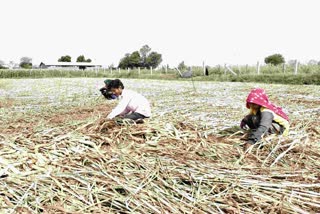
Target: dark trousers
(253,121)
(134,116)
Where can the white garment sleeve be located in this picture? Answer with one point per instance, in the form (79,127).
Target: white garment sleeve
(121,107)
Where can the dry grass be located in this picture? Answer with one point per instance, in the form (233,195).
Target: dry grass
(75,161)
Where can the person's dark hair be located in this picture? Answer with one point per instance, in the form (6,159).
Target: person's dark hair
(115,84)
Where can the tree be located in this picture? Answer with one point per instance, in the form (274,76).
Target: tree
(132,60)
(125,61)
(65,58)
(141,58)
(135,60)
(154,59)
(182,66)
(81,58)
(2,65)
(274,59)
(111,66)
(144,52)
(26,62)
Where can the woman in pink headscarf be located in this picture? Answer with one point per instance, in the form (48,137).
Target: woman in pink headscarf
(264,117)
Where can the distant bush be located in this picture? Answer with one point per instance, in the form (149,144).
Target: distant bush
(65,58)
(274,59)
(26,62)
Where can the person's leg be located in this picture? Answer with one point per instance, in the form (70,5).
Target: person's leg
(134,116)
(275,129)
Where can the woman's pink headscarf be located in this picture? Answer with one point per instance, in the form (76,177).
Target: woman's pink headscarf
(258,96)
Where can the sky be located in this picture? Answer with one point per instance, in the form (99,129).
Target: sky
(194,31)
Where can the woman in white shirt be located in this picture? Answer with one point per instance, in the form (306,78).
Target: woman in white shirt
(132,105)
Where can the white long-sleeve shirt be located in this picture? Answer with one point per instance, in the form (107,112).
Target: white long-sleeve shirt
(131,101)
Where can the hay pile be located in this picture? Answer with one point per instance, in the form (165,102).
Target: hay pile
(161,166)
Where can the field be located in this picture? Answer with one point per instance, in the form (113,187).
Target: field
(58,154)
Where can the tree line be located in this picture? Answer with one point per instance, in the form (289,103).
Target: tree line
(80,58)
(143,58)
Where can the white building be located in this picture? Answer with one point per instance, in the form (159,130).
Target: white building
(69,65)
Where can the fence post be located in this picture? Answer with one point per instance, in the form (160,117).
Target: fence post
(139,70)
(204,68)
(296,67)
(151,70)
(119,71)
(258,68)
(128,70)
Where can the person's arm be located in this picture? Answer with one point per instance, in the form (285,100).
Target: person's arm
(121,107)
(265,123)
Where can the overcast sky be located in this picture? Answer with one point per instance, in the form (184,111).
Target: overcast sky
(217,32)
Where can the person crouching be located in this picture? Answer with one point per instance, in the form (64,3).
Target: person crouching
(264,118)
(132,105)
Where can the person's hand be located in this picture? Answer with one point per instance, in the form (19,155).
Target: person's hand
(102,89)
(243,125)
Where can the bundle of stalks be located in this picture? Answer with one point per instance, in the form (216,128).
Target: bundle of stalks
(99,166)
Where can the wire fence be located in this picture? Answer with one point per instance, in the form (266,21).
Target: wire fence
(294,74)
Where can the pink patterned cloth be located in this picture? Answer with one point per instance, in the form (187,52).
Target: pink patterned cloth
(258,96)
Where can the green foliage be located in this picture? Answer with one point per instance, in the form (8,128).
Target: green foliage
(81,58)
(154,59)
(125,62)
(300,79)
(135,60)
(26,62)
(274,59)
(307,74)
(144,52)
(65,58)
(182,66)
(2,65)
(142,58)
